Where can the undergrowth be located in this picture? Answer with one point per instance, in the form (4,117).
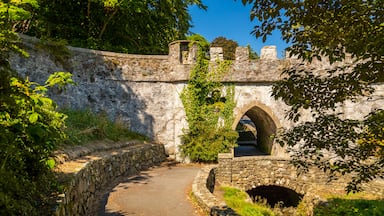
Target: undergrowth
(237,200)
(83,126)
(359,204)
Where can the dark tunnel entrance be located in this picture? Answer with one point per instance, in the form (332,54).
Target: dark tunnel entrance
(256,129)
(273,195)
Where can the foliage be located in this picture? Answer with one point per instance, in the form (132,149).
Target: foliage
(252,54)
(30,129)
(83,126)
(209,114)
(236,199)
(133,26)
(30,126)
(348,207)
(356,54)
(229,47)
(58,49)
(201,41)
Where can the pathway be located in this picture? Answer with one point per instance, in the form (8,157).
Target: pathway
(160,191)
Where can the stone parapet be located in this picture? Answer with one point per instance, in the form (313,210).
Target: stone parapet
(84,177)
(247,173)
(202,189)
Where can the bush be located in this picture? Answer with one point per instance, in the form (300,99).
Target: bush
(30,128)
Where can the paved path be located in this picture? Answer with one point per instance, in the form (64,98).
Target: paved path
(160,191)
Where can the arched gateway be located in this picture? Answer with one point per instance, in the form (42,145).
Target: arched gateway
(258,120)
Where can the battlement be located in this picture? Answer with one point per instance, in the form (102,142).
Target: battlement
(174,67)
(185,52)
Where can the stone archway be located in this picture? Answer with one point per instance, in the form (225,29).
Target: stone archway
(275,194)
(265,123)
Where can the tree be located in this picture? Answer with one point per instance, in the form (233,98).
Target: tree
(346,32)
(133,26)
(229,47)
(201,41)
(30,126)
(252,53)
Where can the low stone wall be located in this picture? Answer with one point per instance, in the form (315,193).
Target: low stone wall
(202,189)
(87,175)
(247,173)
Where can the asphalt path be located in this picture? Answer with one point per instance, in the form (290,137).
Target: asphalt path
(159,191)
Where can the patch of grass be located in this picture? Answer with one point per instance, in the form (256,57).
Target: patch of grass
(329,202)
(83,126)
(358,207)
(236,199)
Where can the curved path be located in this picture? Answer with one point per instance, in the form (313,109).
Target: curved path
(160,191)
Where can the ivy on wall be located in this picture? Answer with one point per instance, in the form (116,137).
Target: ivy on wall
(209,105)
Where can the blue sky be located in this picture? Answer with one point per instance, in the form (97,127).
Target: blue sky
(230,19)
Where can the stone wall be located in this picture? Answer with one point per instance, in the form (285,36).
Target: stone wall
(202,189)
(85,177)
(143,91)
(247,173)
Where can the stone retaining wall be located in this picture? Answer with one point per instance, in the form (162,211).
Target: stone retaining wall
(87,175)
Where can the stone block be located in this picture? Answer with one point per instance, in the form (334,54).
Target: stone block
(216,54)
(268,53)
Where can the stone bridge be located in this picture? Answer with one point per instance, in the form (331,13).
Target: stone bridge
(142,91)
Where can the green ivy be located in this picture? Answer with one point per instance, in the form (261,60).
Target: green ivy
(209,113)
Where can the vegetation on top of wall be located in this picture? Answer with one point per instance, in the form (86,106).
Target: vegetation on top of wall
(57,48)
(83,126)
(209,112)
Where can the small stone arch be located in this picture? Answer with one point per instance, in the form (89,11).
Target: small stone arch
(266,124)
(276,194)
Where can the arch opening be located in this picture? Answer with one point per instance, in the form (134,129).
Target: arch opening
(256,129)
(275,195)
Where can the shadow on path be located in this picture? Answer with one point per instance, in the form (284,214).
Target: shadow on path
(162,191)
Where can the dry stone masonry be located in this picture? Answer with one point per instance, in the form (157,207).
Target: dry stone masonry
(247,173)
(84,176)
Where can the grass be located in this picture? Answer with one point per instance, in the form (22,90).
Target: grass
(236,199)
(336,203)
(352,204)
(83,127)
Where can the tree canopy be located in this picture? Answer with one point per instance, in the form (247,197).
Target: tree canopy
(349,35)
(201,41)
(145,26)
(228,45)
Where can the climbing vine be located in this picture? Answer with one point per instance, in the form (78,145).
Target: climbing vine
(209,105)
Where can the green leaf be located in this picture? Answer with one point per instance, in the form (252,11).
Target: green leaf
(34,117)
(50,163)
